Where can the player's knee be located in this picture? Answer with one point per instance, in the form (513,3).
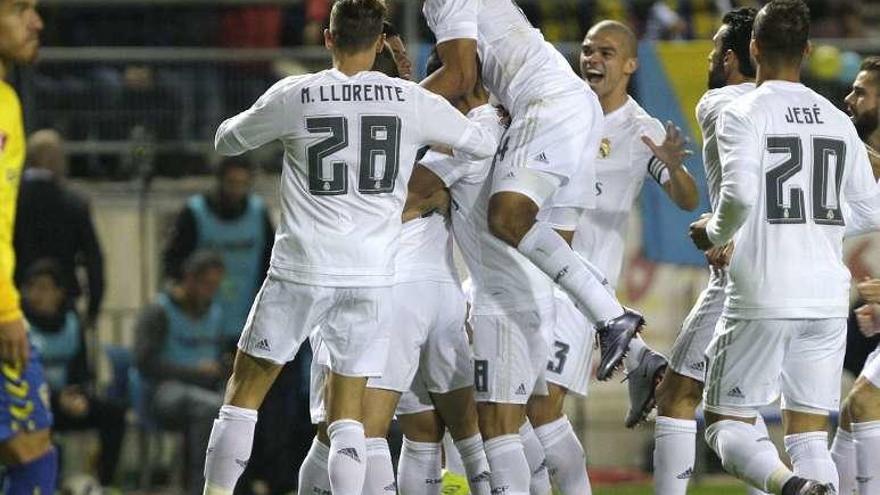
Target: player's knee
(677,398)
(25,447)
(510,217)
(496,420)
(863,404)
(544,410)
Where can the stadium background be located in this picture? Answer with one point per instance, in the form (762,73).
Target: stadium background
(138,87)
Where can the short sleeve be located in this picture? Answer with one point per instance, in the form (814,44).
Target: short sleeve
(452,19)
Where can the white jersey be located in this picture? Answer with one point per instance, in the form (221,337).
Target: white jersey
(425,252)
(519,66)
(708,108)
(621,167)
(503,280)
(349,147)
(790,160)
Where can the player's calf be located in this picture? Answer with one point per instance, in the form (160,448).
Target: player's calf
(678,396)
(420,465)
(863,402)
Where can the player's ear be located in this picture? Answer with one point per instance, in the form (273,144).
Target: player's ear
(730,62)
(754,50)
(328,39)
(630,66)
(808,49)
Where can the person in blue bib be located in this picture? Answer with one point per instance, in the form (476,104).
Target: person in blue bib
(178,354)
(233,222)
(57,332)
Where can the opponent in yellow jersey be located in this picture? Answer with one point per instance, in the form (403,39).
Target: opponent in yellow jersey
(11,160)
(25,445)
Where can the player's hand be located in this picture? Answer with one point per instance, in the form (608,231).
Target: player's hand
(869,289)
(867,318)
(719,256)
(14,346)
(73,402)
(697,232)
(673,150)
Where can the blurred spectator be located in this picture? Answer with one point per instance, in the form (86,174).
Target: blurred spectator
(57,333)
(233,222)
(177,352)
(55,222)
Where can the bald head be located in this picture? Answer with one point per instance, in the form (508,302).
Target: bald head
(45,150)
(621,32)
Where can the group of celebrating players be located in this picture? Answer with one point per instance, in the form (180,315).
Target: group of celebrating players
(532,172)
(537,170)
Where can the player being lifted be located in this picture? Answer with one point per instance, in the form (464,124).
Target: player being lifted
(350,137)
(790,162)
(731,75)
(628,153)
(856,445)
(26,451)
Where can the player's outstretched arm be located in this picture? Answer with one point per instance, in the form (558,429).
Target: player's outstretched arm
(267,120)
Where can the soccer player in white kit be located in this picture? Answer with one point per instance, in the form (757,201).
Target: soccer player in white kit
(856,445)
(634,146)
(543,164)
(790,162)
(350,138)
(731,75)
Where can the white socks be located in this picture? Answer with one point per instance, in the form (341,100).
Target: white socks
(749,454)
(637,346)
(540,480)
(476,465)
(507,461)
(811,458)
(843,451)
(549,252)
(867,440)
(418,471)
(674,454)
(761,428)
(380,472)
(313,477)
(229,449)
(566,460)
(346,464)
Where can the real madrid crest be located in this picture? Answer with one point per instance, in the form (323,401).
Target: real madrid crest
(605,148)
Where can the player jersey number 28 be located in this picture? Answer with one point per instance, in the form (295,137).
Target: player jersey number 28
(379,154)
(826,151)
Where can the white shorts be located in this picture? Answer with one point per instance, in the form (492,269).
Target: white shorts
(752,362)
(510,354)
(353,322)
(415,400)
(871,370)
(571,348)
(689,350)
(428,339)
(551,139)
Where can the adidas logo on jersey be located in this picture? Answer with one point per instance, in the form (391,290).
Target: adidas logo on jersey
(698,366)
(736,393)
(542,158)
(351,453)
(521,390)
(686,475)
(480,478)
(391,487)
(242,463)
(263,345)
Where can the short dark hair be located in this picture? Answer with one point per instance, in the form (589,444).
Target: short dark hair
(782,30)
(390,30)
(201,261)
(355,24)
(871,64)
(44,267)
(737,37)
(233,162)
(385,62)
